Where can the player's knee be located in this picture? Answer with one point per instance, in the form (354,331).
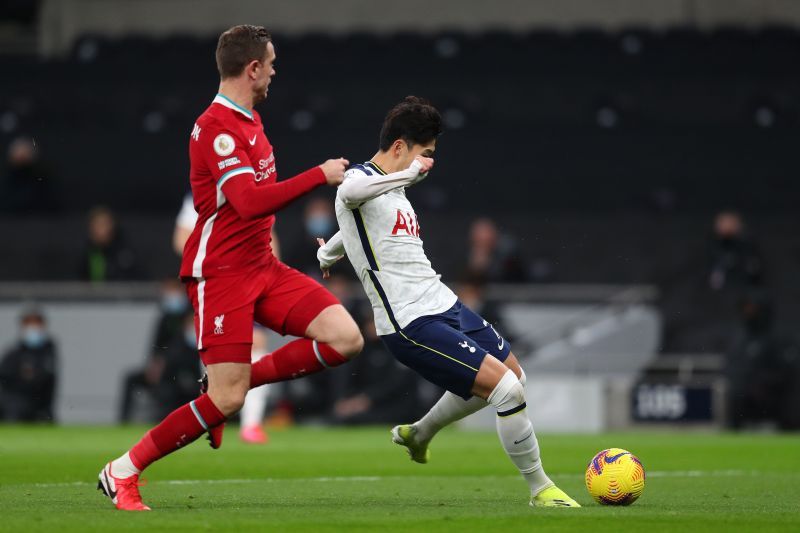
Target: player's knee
(351,341)
(230,403)
(508,393)
(229,400)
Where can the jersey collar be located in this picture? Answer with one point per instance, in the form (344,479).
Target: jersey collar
(230,104)
(378,169)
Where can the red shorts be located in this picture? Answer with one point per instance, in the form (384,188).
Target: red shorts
(276,296)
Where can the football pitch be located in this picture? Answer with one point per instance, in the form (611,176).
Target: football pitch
(356,480)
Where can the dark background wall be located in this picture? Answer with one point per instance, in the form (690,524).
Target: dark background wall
(680,120)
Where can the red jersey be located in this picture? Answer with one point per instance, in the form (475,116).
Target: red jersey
(235,191)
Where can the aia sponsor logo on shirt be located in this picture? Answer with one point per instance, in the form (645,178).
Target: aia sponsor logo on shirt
(406,223)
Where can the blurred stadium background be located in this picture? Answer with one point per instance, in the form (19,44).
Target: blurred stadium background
(616,187)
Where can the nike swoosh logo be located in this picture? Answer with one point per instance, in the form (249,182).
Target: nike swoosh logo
(501,344)
(253,140)
(615,457)
(111,493)
(526,438)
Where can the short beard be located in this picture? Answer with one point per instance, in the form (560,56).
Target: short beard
(259,96)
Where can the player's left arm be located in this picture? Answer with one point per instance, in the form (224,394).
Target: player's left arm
(329,253)
(358,188)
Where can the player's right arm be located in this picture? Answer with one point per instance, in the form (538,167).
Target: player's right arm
(233,173)
(359,188)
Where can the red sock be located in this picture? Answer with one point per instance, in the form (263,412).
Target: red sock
(181,427)
(296,359)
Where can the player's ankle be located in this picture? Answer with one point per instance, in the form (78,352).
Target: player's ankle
(123,467)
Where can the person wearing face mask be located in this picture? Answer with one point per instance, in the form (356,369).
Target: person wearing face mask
(174,304)
(177,382)
(319,222)
(169,331)
(28,372)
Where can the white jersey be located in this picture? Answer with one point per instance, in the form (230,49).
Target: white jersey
(380,233)
(187,216)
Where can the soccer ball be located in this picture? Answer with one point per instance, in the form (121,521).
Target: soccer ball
(615,477)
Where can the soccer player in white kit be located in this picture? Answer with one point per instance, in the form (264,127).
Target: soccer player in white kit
(418,317)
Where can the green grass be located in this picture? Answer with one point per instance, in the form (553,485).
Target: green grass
(356,480)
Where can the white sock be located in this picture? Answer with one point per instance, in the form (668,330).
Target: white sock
(255,404)
(447,410)
(123,467)
(516,431)
(450,408)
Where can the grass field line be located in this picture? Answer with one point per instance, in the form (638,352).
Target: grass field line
(361,479)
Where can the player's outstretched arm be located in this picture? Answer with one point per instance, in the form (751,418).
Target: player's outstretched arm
(329,253)
(359,188)
(251,201)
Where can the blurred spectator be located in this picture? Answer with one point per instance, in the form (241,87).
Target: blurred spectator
(310,398)
(107,256)
(762,370)
(493,255)
(735,260)
(700,302)
(26,187)
(168,347)
(375,388)
(319,221)
(343,288)
(472,293)
(169,378)
(174,305)
(28,372)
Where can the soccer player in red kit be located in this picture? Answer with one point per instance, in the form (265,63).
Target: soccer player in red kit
(231,275)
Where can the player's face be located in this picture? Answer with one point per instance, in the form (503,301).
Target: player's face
(409,153)
(264,72)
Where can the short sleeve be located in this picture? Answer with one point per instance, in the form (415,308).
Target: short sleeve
(223,153)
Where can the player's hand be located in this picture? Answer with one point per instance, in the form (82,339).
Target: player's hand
(426,164)
(334,170)
(422,165)
(326,271)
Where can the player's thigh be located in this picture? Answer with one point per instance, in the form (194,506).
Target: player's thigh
(291,301)
(483,333)
(440,353)
(223,315)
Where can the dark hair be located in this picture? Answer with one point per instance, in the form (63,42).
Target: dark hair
(239,46)
(414,120)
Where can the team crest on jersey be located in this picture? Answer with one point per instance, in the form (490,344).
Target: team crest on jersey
(224,145)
